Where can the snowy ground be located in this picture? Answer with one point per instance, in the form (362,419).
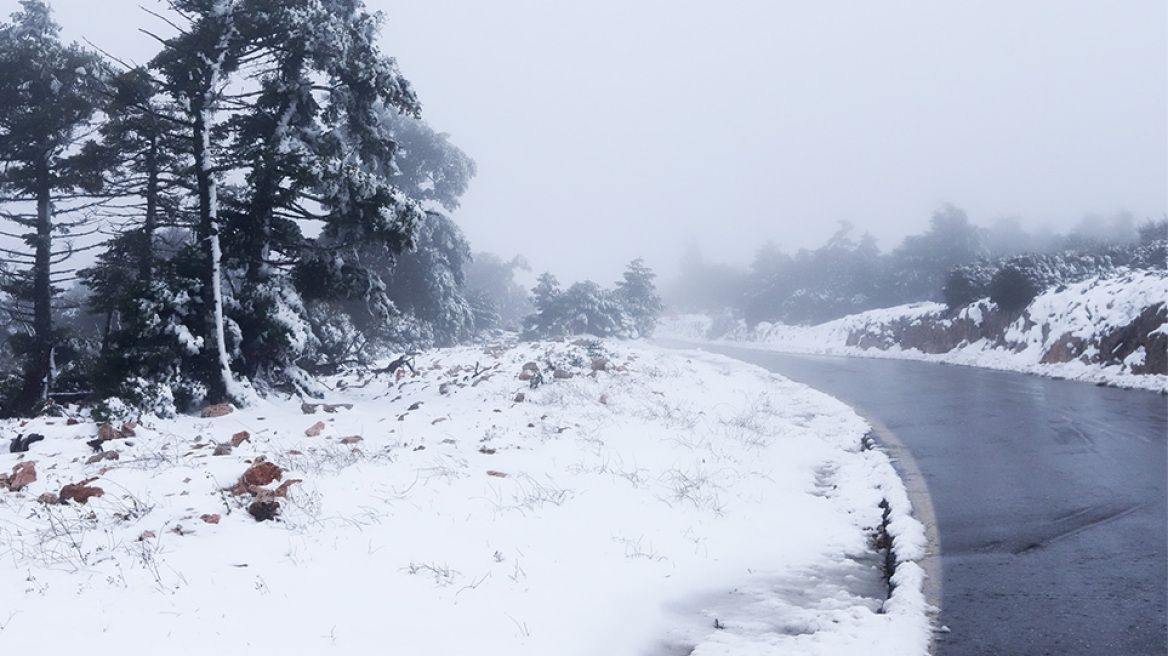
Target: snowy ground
(671,503)
(1085,310)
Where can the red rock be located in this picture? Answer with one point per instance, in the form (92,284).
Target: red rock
(352,439)
(282,491)
(496,474)
(106,432)
(80,492)
(22,474)
(217,410)
(260,474)
(210,518)
(315,429)
(240,438)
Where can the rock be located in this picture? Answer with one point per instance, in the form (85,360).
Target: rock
(530,366)
(48,498)
(217,410)
(127,429)
(444,388)
(106,432)
(526,375)
(520,397)
(315,429)
(264,509)
(1066,348)
(333,407)
(210,518)
(282,491)
(309,408)
(261,473)
(599,364)
(107,455)
(603,399)
(352,439)
(415,406)
(240,438)
(222,450)
(561,374)
(496,474)
(22,474)
(80,492)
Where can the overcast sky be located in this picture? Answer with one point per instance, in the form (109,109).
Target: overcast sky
(605,130)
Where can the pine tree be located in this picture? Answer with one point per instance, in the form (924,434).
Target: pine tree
(48,94)
(196,66)
(637,296)
(427,285)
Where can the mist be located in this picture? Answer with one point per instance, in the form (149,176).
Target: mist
(609,131)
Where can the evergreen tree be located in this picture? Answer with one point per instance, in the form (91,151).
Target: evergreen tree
(426,284)
(637,296)
(492,287)
(196,66)
(48,95)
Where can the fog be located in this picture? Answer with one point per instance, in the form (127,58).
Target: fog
(608,130)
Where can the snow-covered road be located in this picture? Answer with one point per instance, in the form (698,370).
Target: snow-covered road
(1049,496)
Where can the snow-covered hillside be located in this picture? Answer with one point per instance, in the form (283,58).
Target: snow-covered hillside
(634,501)
(1111,330)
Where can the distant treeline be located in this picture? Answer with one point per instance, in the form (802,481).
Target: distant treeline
(952,261)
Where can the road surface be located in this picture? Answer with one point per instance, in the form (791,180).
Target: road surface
(1049,497)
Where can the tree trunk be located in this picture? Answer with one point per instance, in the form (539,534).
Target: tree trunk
(216,364)
(38,371)
(150,225)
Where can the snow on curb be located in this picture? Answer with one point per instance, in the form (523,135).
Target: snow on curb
(633,501)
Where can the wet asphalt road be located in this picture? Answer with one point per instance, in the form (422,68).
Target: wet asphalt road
(1050,499)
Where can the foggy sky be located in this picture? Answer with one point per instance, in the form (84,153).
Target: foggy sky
(611,129)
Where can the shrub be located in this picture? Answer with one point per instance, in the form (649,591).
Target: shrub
(1012,290)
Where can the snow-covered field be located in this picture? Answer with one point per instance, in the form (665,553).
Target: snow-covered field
(1085,311)
(665,503)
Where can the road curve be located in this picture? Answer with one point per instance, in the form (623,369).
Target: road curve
(1050,499)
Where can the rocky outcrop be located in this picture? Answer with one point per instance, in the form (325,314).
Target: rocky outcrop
(1148,332)
(1140,346)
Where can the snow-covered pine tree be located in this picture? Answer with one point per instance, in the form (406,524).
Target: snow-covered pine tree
(145,285)
(429,168)
(196,66)
(637,297)
(48,94)
(315,148)
(426,284)
(547,319)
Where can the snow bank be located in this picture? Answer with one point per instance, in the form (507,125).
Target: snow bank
(1102,330)
(637,501)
